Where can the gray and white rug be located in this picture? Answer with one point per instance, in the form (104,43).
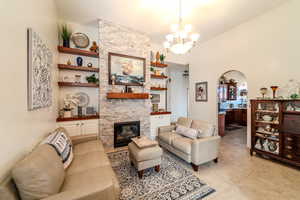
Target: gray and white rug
(173,182)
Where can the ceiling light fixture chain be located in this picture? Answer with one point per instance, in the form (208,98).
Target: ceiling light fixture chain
(180,41)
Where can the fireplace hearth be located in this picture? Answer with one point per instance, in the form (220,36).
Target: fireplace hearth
(124,131)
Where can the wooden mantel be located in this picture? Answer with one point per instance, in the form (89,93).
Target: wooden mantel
(112,95)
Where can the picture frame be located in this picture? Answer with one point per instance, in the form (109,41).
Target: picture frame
(201,92)
(39,65)
(126,70)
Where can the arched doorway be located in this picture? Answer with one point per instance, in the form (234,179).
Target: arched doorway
(232,105)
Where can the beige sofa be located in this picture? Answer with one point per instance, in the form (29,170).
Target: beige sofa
(89,177)
(195,151)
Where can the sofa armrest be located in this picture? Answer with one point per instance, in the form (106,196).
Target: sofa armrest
(83,138)
(205,149)
(163,129)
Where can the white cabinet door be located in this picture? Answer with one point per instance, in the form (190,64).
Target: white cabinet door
(89,127)
(73,128)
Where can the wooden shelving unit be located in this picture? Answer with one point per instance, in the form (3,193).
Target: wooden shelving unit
(156,64)
(160,113)
(71,84)
(158,88)
(74,51)
(77,68)
(127,95)
(158,76)
(61,119)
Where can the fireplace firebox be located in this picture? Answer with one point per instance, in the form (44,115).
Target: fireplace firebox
(124,131)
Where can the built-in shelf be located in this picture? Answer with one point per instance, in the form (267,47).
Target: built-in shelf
(158,88)
(158,76)
(156,64)
(160,113)
(77,68)
(113,95)
(74,51)
(71,84)
(267,111)
(76,118)
(268,122)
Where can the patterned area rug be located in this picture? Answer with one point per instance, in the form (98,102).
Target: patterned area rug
(173,182)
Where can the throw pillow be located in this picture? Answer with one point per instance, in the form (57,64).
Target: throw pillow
(62,144)
(144,142)
(40,174)
(187,132)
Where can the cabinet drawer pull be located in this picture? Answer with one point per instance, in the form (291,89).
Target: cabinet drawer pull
(289,147)
(289,139)
(289,156)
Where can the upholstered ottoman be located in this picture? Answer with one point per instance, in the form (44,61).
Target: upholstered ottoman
(144,158)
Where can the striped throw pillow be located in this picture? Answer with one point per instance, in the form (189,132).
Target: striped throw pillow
(63,146)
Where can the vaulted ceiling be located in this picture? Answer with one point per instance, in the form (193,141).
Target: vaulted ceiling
(153,17)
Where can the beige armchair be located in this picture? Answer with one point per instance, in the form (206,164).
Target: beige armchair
(195,151)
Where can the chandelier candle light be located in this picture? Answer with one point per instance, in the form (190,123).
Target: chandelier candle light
(181,40)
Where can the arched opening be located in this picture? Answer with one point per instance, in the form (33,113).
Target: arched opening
(232,106)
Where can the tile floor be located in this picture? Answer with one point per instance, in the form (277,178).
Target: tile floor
(238,176)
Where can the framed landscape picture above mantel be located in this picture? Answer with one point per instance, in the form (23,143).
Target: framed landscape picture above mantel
(126,70)
(201,91)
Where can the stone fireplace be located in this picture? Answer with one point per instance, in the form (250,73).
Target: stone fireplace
(124,131)
(119,39)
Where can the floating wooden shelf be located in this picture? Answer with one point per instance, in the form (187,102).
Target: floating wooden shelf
(71,84)
(75,118)
(160,113)
(158,88)
(156,64)
(78,68)
(74,51)
(158,76)
(127,95)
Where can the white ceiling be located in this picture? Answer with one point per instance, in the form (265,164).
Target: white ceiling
(153,17)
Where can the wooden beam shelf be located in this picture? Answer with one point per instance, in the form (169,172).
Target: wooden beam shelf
(158,76)
(113,95)
(160,113)
(75,118)
(156,64)
(74,51)
(158,88)
(71,84)
(78,68)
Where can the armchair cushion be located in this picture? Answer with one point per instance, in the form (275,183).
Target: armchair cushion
(167,137)
(166,128)
(183,121)
(205,129)
(183,144)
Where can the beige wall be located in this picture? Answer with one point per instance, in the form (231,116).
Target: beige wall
(265,49)
(20,129)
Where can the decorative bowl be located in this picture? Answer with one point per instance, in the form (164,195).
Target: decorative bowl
(267,118)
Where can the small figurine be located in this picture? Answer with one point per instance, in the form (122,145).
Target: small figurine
(90,64)
(79,61)
(94,47)
(69,62)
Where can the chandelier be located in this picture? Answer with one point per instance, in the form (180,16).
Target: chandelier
(181,40)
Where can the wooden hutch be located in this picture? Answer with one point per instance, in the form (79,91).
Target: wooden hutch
(275,129)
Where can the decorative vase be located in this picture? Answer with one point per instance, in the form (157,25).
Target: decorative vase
(67,114)
(79,61)
(274,88)
(157,57)
(66,43)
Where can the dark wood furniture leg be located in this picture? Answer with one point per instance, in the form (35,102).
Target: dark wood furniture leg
(216,160)
(131,163)
(157,168)
(195,167)
(141,173)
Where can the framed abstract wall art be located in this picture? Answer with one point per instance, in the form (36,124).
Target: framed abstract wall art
(201,92)
(39,72)
(126,70)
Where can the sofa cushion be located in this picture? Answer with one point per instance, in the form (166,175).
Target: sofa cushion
(183,121)
(205,129)
(88,161)
(167,137)
(144,154)
(91,182)
(40,174)
(187,132)
(183,144)
(86,147)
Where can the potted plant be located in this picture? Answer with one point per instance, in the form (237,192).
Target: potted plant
(65,34)
(92,79)
(162,58)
